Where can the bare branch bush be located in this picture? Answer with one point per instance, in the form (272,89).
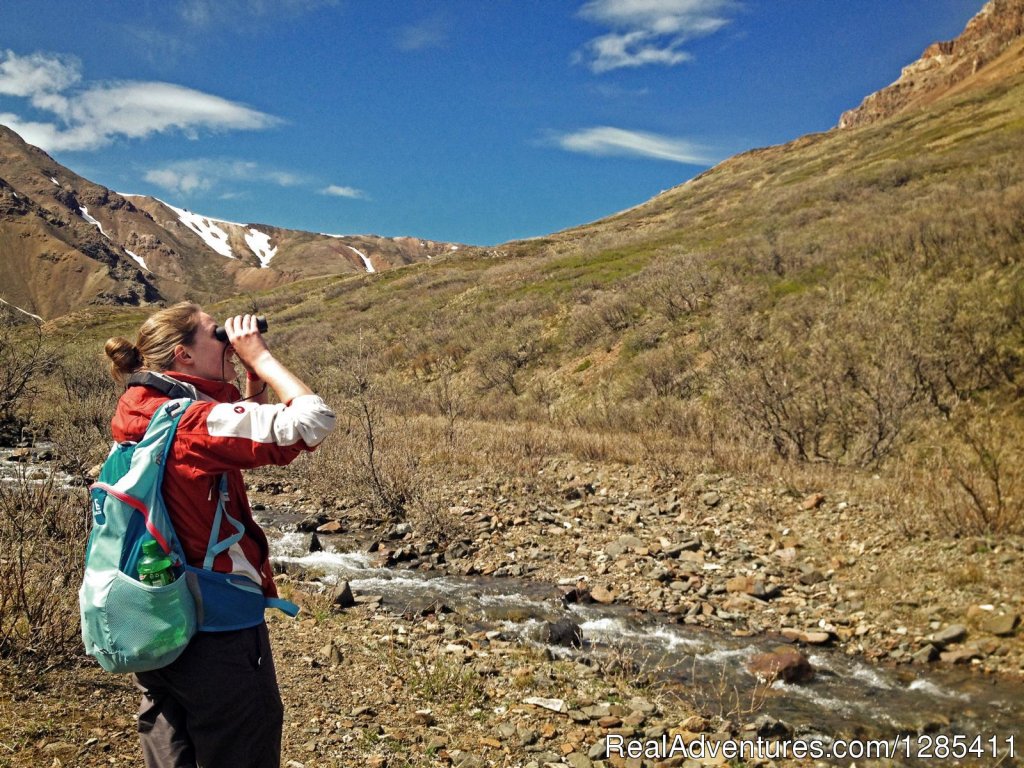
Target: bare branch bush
(981,469)
(26,357)
(43,529)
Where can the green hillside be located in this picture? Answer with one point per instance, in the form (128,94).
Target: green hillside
(851,299)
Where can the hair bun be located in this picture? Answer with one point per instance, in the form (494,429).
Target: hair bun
(124,356)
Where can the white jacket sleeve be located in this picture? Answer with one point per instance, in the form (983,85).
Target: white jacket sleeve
(306,418)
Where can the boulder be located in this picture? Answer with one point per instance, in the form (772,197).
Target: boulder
(783,663)
(564,632)
(311,523)
(1000,624)
(602,594)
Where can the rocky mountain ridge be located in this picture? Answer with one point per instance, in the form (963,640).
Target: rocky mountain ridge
(991,44)
(66,242)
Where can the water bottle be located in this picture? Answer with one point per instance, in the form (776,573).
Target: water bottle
(154,565)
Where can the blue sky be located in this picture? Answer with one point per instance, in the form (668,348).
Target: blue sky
(474,121)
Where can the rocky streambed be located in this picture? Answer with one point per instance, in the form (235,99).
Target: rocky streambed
(795,690)
(586,602)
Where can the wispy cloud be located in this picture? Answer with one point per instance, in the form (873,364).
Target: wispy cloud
(604,141)
(208,13)
(647,32)
(92,115)
(188,177)
(429,33)
(335,190)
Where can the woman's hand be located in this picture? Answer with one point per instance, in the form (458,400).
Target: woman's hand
(252,351)
(247,341)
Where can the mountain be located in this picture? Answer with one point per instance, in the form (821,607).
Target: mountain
(66,242)
(848,298)
(991,47)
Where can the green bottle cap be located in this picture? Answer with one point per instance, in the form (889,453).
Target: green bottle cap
(152,548)
(153,559)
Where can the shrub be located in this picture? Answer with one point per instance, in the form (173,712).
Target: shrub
(43,529)
(25,359)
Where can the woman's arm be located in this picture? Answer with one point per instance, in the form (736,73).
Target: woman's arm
(257,358)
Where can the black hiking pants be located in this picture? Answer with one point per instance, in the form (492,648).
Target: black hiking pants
(216,706)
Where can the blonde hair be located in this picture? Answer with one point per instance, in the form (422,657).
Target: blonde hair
(158,337)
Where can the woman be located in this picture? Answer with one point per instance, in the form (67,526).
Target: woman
(218,704)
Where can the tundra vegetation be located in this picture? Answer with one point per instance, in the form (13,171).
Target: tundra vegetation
(850,303)
(843,308)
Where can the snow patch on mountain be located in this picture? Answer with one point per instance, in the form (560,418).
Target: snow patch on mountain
(215,237)
(23,311)
(139,259)
(364,257)
(85,215)
(259,243)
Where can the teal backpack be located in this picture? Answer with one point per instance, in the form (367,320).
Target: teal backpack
(134,627)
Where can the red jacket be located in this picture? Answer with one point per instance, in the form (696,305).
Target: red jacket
(218,437)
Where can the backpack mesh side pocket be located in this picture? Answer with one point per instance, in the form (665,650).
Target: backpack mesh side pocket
(148,627)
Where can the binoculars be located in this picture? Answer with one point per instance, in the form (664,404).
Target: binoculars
(221,333)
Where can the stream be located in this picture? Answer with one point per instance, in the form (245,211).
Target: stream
(846,697)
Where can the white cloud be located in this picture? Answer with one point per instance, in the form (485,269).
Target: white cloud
(36,74)
(186,177)
(604,141)
(338,191)
(93,116)
(648,31)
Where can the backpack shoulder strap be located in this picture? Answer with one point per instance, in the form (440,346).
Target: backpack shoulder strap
(166,384)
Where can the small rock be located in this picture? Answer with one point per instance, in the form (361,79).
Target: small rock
(960,655)
(768,727)
(926,655)
(951,634)
(332,653)
(695,724)
(748,585)
(342,596)
(424,717)
(813,501)
(711,499)
(555,705)
(331,526)
(578,760)
(314,544)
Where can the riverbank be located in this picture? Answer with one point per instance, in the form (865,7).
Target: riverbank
(367,687)
(820,566)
